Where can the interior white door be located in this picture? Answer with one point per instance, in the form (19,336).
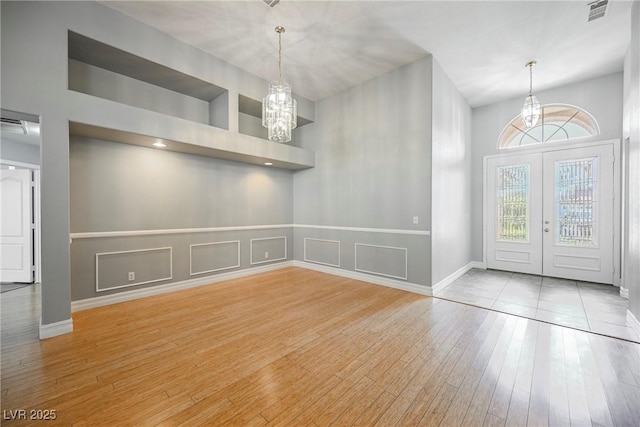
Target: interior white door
(514,235)
(578,215)
(15,226)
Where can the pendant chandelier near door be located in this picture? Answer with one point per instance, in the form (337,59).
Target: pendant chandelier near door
(531,108)
(279,109)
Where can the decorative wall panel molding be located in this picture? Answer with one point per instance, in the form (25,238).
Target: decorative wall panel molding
(382,260)
(268,249)
(365,230)
(103,234)
(214,256)
(321,251)
(113,269)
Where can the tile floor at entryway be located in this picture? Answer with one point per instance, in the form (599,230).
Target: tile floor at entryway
(580,305)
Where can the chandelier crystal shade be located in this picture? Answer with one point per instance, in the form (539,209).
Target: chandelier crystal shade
(531,108)
(279,109)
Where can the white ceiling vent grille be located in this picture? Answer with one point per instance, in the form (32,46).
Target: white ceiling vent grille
(22,127)
(597,9)
(12,126)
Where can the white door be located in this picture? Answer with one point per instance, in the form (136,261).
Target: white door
(15,226)
(578,214)
(552,213)
(514,237)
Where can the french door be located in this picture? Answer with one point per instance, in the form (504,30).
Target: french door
(552,213)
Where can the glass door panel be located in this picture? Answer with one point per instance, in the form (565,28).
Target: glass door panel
(512,203)
(576,200)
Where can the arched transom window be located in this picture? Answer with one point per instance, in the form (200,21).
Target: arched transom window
(557,122)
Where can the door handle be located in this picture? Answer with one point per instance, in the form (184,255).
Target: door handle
(546,230)
(546,222)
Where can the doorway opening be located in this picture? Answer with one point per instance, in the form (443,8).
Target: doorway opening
(20,253)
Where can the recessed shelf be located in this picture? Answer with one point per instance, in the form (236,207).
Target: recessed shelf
(98,69)
(98,118)
(117,96)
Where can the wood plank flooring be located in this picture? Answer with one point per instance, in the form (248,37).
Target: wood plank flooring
(296,347)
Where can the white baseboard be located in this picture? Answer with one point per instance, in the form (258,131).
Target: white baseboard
(54,329)
(100,301)
(478,264)
(453,276)
(633,322)
(369,278)
(624,292)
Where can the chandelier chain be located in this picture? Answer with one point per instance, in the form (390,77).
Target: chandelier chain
(280,54)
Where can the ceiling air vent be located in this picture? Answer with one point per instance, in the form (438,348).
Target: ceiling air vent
(597,9)
(12,125)
(23,127)
(11,121)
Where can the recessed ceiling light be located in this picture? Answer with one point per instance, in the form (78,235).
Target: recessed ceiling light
(268,164)
(159,144)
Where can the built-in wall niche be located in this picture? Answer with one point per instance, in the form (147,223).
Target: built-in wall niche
(250,118)
(104,71)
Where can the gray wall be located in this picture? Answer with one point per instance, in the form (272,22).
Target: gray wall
(451,178)
(18,151)
(602,97)
(373,167)
(631,130)
(36,83)
(120,187)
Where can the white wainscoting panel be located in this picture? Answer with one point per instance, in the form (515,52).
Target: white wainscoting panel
(207,255)
(321,251)
(376,259)
(257,242)
(121,262)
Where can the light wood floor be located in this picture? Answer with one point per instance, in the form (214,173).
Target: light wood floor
(295,347)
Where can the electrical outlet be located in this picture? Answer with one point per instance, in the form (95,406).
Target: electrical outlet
(132,276)
(415,219)
(266,255)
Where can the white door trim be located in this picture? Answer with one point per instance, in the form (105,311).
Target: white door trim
(37,227)
(19,164)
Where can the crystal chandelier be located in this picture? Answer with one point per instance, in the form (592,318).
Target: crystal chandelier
(279,109)
(531,108)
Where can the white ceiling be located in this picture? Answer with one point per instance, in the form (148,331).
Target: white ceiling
(330,46)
